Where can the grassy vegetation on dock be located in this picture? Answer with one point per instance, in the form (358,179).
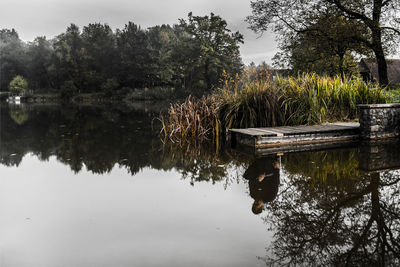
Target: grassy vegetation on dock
(256,100)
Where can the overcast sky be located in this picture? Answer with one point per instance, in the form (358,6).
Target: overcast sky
(49,18)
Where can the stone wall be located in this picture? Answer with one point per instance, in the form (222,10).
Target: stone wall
(379,120)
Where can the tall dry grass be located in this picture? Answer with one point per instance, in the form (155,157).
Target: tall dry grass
(256,100)
(192,119)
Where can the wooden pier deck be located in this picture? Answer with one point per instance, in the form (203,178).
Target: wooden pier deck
(285,137)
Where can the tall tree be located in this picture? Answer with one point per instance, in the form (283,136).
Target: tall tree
(12,57)
(132,44)
(218,48)
(39,54)
(99,54)
(69,57)
(161,40)
(378,16)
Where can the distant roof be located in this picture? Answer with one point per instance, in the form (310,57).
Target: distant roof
(369,66)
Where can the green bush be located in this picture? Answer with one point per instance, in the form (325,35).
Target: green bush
(18,85)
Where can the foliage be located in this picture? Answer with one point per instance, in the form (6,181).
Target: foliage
(310,99)
(377,21)
(254,100)
(396,95)
(18,85)
(12,57)
(216,48)
(188,56)
(326,47)
(39,64)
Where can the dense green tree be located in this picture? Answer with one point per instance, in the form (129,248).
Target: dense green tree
(69,57)
(161,40)
(12,57)
(186,59)
(217,48)
(133,47)
(377,16)
(39,55)
(100,53)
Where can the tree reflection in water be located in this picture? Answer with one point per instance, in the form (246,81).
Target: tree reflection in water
(331,207)
(99,139)
(330,212)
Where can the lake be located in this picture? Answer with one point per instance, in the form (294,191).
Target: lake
(96,186)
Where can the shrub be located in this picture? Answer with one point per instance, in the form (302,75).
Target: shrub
(18,85)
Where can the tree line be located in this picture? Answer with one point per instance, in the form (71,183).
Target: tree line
(188,56)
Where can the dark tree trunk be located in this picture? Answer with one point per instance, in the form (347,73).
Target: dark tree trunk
(377,46)
(382,67)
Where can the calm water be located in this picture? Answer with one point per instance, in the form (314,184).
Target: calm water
(92,186)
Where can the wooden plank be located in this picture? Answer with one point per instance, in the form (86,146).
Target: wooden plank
(265,130)
(303,134)
(252,132)
(302,129)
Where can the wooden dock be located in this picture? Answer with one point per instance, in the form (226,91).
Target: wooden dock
(291,137)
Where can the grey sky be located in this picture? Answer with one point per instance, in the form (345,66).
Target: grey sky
(33,18)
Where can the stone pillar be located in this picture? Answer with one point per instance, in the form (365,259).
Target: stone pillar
(379,120)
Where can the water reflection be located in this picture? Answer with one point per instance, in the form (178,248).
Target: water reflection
(101,138)
(96,138)
(331,212)
(19,115)
(263,177)
(333,207)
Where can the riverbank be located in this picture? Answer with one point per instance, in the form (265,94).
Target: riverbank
(136,95)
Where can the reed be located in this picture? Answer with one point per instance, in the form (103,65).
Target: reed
(192,119)
(256,100)
(312,99)
(249,102)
